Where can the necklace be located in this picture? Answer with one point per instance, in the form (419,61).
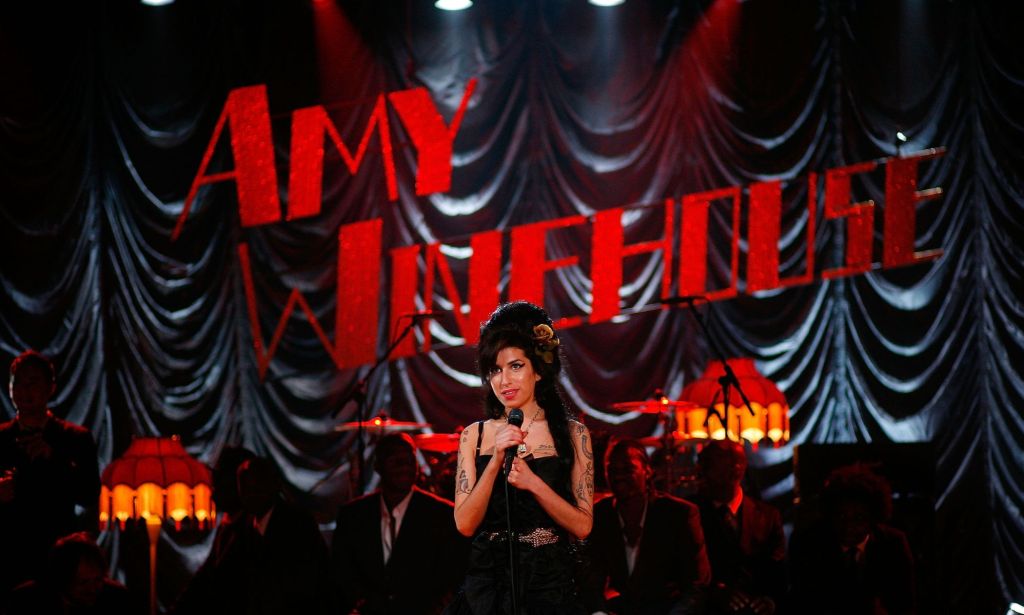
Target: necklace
(522,447)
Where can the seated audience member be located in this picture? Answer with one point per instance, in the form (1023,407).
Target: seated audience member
(47,467)
(851,562)
(745,540)
(396,550)
(646,552)
(229,508)
(73,583)
(270,559)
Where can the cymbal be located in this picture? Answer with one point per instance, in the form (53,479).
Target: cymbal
(437,442)
(382,424)
(675,440)
(652,406)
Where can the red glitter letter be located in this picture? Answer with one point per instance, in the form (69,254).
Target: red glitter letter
(358,294)
(860,219)
(253,151)
(607,252)
(763,234)
(430,136)
(529,262)
(901,196)
(693,253)
(355,327)
(484,277)
(404,275)
(305,179)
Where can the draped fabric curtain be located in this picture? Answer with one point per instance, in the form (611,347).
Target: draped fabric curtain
(108,108)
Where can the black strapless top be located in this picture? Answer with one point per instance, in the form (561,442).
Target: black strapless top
(527,512)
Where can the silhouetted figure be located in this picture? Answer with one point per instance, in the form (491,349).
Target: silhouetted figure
(47,467)
(745,540)
(646,553)
(396,550)
(851,563)
(74,582)
(271,559)
(201,589)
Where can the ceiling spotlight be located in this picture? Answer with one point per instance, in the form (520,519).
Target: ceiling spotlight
(453,5)
(902,137)
(606,2)
(157,2)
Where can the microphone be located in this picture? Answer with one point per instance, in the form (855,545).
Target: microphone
(423,315)
(683,300)
(515,417)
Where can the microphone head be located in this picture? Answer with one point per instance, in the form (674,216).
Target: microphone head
(515,417)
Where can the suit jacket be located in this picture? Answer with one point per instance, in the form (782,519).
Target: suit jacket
(825,583)
(427,560)
(45,494)
(671,565)
(282,571)
(752,557)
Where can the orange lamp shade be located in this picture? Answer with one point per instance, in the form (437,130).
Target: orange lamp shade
(771,411)
(155,480)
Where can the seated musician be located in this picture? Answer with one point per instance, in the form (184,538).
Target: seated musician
(646,553)
(396,550)
(745,541)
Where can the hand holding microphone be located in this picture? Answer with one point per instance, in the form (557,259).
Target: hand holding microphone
(515,419)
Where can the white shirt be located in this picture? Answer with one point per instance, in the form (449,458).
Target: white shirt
(398,513)
(261,522)
(632,551)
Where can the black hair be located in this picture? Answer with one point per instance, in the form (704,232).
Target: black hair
(622,445)
(31,358)
(65,556)
(512,326)
(858,483)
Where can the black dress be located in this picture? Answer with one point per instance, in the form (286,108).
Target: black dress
(545,571)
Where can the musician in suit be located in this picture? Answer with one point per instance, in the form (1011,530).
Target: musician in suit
(851,562)
(745,540)
(270,559)
(396,550)
(646,553)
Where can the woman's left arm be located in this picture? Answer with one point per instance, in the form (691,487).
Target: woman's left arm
(576,519)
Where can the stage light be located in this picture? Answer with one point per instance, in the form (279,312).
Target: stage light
(453,5)
(902,137)
(157,2)
(606,2)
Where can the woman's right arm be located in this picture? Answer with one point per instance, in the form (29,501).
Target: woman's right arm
(472,492)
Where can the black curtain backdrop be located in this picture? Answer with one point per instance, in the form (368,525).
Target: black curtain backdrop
(107,108)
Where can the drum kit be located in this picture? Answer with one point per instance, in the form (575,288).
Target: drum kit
(439,449)
(673,459)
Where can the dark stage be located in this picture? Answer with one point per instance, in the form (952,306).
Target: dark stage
(217,217)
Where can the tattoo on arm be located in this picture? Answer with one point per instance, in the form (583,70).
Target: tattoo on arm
(463,483)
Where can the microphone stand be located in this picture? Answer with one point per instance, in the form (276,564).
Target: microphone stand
(513,573)
(727,381)
(359,395)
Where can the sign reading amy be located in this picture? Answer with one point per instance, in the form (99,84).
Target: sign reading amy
(682,247)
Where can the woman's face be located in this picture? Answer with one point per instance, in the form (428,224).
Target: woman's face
(513,379)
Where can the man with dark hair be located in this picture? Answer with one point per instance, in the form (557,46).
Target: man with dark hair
(746,543)
(271,558)
(852,563)
(74,581)
(646,551)
(396,550)
(202,588)
(47,467)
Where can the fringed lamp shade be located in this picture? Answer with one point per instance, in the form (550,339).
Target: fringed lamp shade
(771,411)
(156,479)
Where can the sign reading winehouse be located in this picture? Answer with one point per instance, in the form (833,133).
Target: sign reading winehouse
(684,237)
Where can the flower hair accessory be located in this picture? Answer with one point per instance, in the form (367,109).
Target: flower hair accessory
(545,342)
